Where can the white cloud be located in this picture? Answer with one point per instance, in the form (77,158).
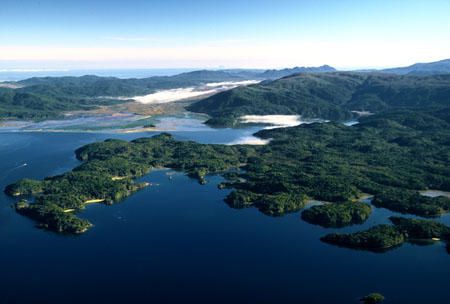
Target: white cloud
(276,121)
(231,84)
(165,96)
(250,140)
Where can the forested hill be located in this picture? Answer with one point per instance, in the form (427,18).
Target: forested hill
(95,86)
(92,86)
(333,96)
(49,97)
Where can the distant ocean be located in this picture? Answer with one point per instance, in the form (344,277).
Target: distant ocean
(15,75)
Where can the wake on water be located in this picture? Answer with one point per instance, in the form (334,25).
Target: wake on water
(8,172)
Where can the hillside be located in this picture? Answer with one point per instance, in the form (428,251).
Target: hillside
(49,97)
(325,94)
(331,96)
(93,86)
(44,103)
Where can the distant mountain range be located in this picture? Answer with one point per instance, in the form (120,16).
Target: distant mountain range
(49,97)
(432,68)
(275,74)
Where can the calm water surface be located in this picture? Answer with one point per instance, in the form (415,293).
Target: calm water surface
(179,242)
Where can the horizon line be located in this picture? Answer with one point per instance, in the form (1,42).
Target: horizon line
(218,68)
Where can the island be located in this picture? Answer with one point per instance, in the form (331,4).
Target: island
(421,229)
(412,202)
(337,215)
(378,238)
(381,238)
(373,298)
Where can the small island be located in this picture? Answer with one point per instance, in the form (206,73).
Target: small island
(412,202)
(384,237)
(269,204)
(378,239)
(373,298)
(337,215)
(421,229)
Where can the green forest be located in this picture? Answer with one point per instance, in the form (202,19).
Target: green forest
(338,214)
(391,156)
(50,97)
(321,161)
(385,237)
(334,96)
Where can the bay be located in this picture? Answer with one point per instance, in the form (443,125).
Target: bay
(179,242)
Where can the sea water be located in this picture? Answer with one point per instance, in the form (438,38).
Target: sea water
(179,242)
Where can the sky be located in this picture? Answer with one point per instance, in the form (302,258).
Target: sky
(70,34)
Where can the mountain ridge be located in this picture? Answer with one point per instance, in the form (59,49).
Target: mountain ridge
(429,68)
(332,96)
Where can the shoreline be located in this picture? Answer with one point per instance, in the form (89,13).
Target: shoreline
(114,123)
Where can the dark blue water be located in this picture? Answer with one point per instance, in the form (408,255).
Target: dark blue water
(179,243)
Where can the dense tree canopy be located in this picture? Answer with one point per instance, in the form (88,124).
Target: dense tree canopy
(384,237)
(390,156)
(50,97)
(333,96)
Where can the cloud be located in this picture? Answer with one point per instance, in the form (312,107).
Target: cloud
(250,140)
(165,96)
(276,121)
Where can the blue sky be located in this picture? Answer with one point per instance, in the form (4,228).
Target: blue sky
(198,33)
